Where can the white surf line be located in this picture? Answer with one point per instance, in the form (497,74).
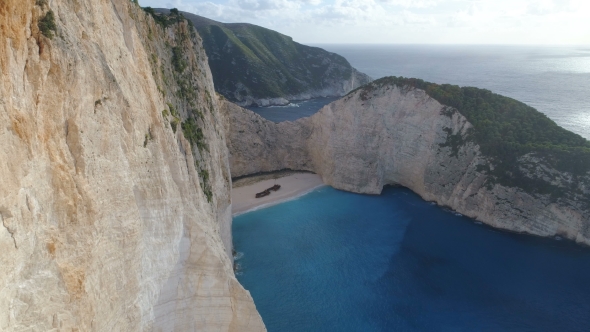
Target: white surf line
(279,201)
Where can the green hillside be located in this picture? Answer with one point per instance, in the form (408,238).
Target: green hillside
(248,60)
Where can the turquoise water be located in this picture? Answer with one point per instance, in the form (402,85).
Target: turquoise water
(338,261)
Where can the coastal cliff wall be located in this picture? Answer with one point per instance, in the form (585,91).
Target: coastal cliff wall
(395,135)
(258,145)
(115,210)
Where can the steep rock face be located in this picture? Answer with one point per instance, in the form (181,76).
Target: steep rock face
(253,65)
(111,220)
(258,145)
(400,136)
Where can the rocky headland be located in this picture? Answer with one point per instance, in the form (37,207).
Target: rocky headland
(252,65)
(394,132)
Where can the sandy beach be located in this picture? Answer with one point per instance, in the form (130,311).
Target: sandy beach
(292,185)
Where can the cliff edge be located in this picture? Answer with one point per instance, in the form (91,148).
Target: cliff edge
(115,210)
(392,132)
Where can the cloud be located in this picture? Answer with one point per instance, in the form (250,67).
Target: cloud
(420,21)
(345,12)
(367,13)
(541,8)
(321,12)
(412,3)
(488,14)
(551,7)
(257,5)
(464,18)
(417,19)
(311,2)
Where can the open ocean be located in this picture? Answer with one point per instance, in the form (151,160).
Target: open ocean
(338,261)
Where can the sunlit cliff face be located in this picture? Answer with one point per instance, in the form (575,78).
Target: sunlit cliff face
(104,219)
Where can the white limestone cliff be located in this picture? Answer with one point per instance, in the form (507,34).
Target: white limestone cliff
(105,223)
(394,137)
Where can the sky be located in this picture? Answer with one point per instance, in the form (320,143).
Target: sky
(521,22)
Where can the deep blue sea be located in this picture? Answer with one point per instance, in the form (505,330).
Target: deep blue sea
(554,80)
(338,261)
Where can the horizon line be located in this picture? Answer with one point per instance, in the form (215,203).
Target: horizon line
(446,44)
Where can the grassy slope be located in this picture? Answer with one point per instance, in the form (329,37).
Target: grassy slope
(267,63)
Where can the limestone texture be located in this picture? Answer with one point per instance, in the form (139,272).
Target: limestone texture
(398,136)
(115,213)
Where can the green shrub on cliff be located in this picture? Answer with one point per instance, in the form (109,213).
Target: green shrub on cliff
(174,16)
(47,24)
(177,59)
(205,185)
(193,133)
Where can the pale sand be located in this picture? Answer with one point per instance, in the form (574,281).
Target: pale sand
(293,185)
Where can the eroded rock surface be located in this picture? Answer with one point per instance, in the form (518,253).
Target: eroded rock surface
(111,220)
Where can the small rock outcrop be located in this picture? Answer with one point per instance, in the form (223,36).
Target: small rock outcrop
(399,135)
(115,209)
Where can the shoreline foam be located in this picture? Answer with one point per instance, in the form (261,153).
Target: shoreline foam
(292,187)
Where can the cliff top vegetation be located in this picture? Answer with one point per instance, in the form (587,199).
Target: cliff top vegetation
(249,60)
(505,129)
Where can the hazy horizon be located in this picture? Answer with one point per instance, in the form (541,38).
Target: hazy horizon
(450,44)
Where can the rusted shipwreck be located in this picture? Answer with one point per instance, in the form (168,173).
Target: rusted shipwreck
(266,192)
